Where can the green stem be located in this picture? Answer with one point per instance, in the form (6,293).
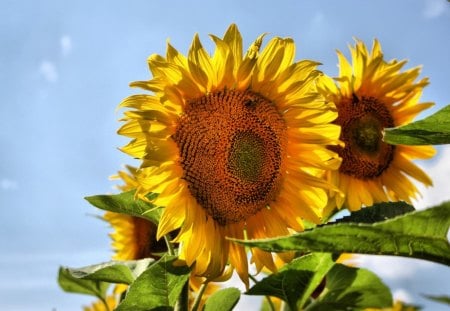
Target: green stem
(198,299)
(170,248)
(269,300)
(285,307)
(183,301)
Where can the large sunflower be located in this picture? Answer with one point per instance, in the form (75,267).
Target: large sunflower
(233,144)
(372,94)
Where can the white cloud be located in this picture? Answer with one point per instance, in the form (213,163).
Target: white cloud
(439,171)
(393,268)
(434,8)
(402,295)
(8,184)
(66,45)
(48,70)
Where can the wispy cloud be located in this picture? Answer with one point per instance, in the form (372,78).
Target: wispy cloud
(434,8)
(8,184)
(66,45)
(393,268)
(48,70)
(402,295)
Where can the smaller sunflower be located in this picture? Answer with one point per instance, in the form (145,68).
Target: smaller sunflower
(370,95)
(397,306)
(111,304)
(135,238)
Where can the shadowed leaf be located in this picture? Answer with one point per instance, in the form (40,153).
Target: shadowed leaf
(73,284)
(377,212)
(296,281)
(350,288)
(158,287)
(126,203)
(113,272)
(420,234)
(433,130)
(441,299)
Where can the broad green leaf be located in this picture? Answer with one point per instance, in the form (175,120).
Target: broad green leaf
(442,299)
(126,203)
(433,130)
(73,284)
(113,272)
(350,288)
(420,234)
(157,287)
(296,281)
(223,300)
(377,212)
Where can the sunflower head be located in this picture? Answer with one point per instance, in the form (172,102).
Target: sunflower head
(372,94)
(234,144)
(231,144)
(133,237)
(111,302)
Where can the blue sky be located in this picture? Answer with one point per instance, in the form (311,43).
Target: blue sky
(65,66)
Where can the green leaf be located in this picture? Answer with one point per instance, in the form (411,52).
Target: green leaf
(442,299)
(296,281)
(433,130)
(112,272)
(377,212)
(157,287)
(73,284)
(350,288)
(126,203)
(420,234)
(223,300)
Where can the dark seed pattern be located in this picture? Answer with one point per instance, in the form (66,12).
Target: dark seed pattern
(231,149)
(365,155)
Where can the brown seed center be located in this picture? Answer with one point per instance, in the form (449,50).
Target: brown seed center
(365,155)
(231,149)
(145,237)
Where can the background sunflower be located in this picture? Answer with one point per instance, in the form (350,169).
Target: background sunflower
(372,94)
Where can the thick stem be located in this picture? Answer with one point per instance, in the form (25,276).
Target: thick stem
(183,301)
(198,299)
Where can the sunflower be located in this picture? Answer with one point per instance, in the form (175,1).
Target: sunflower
(108,304)
(371,95)
(234,144)
(397,306)
(135,238)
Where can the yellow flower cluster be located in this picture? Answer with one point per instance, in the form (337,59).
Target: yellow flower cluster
(250,144)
